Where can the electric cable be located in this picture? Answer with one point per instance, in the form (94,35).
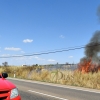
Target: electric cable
(42,53)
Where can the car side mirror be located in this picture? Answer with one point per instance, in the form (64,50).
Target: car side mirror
(4,75)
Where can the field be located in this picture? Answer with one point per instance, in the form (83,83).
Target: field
(74,78)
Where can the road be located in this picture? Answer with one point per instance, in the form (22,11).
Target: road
(32,90)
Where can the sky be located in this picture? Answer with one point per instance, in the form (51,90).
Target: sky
(37,26)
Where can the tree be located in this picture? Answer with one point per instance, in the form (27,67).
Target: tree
(67,63)
(5,63)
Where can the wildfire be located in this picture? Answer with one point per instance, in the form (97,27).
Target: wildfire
(87,66)
(91,61)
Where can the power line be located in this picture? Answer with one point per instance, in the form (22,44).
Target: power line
(80,47)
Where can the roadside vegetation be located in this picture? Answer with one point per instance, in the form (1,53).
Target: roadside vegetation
(74,78)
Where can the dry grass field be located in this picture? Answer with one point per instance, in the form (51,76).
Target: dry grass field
(74,78)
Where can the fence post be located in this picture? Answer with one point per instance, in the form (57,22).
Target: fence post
(14,74)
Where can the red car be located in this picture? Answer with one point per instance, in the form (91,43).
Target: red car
(8,90)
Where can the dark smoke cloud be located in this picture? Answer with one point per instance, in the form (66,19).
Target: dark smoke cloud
(82,60)
(92,49)
(98,12)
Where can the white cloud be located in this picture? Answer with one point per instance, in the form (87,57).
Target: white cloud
(70,56)
(22,52)
(5,55)
(38,58)
(21,58)
(27,41)
(17,55)
(51,60)
(29,58)
(61,36)
(12,49)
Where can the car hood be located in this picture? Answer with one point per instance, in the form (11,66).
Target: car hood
(5,84)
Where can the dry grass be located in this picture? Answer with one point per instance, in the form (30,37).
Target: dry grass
(60,77)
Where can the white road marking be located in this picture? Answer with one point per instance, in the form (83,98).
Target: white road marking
(58,85)
(47,95)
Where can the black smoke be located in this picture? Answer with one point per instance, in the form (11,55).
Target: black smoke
(92,49)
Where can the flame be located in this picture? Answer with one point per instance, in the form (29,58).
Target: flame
(87,66)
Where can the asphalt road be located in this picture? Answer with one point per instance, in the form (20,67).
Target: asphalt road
(41,91)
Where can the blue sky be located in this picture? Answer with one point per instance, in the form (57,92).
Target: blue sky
(35,26)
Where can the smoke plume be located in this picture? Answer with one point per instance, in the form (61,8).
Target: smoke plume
(91,61)
(92,49)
